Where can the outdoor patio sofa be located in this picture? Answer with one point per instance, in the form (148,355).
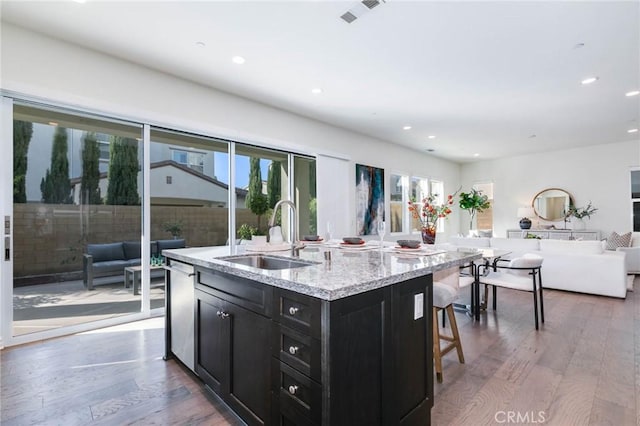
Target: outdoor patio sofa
(107,259)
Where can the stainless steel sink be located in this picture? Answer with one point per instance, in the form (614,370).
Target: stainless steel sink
(267,262)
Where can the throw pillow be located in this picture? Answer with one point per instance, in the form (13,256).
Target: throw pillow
(615,240)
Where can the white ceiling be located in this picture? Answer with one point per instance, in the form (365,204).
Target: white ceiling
(483,77)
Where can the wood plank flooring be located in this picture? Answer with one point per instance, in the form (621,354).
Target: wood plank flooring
(581,368)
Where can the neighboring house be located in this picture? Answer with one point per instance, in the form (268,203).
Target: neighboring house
(177,184)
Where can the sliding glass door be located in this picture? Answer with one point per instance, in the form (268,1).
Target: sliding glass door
(76,217)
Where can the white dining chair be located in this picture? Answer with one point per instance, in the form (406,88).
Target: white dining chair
(522,273)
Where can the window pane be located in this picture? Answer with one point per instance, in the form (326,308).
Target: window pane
(187,202)
(484,219)
(259,190)
(305,193)
(635,184)
(398,204)
(636,216)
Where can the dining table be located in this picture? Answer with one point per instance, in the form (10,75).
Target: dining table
(489,257)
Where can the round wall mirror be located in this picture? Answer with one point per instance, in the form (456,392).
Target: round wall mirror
(552,204)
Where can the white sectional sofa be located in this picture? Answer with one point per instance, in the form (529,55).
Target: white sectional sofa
(633,254)
(580,266)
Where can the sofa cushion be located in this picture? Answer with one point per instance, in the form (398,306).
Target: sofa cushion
(132,249)
(470,242)
(170,244)
(110,266)
(516,244)
(616,240)
(635,239)
(570,247)
(105,252)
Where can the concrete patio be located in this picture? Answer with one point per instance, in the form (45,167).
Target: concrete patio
(47,306)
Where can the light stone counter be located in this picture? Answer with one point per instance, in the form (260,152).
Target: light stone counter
(348,272)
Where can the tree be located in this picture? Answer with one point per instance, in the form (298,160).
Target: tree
(22,133)
(89,188)
(256,200)
(123,172)
(274,184)
(56,185)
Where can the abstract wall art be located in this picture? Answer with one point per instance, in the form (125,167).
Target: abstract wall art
(369,199)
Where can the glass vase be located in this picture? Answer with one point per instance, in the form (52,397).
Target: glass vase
(429,234)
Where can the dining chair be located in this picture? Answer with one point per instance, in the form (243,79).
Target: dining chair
(521,273)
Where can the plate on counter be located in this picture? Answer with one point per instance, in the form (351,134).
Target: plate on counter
(406,249)
(360,246)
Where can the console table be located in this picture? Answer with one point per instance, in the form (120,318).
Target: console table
(555,234)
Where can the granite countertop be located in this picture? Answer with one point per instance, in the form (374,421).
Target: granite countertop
(348,272)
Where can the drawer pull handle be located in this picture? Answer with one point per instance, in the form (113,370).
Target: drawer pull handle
(293,389)
(293,350)
(222,314)
(293,310)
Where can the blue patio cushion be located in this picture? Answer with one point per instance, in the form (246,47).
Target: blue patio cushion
(170,244)
(104,252)
(111,266)
(132,250)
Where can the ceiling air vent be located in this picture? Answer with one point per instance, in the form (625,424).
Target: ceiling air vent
(349,17)
(370,3)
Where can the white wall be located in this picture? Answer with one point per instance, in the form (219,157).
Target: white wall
(598,173)
(35,65)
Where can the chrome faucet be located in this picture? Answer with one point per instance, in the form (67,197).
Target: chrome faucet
(294,234)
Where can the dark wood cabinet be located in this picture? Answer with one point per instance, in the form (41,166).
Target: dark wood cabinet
(282,358)
(233,354)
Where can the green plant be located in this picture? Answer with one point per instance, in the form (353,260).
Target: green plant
(56,185)
(174,228)
(474,201)
(246,231)
(532,237)
(581,212)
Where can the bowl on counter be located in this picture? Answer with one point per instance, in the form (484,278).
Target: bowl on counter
(353,240)
(311,237)
(408,243)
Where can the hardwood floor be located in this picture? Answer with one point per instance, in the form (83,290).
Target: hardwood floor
(581,368)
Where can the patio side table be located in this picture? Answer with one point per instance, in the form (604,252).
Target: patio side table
(133,274)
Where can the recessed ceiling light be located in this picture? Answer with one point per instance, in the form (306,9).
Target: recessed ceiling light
(431,136)
(578,45)
(200,44)
(589,80)
(53,123)
(316,91)
(532,136)
(633,93)
(406,128)
(430,149)
(80,1)
(238,60)
(476,155)
(632,131)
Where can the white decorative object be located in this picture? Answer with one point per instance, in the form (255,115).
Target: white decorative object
(555,234)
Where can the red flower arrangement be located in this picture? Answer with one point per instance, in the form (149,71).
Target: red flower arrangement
(429,213)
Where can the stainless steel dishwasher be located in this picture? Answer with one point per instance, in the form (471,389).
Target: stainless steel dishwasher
(179,311)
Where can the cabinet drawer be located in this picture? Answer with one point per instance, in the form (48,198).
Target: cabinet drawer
(299,351)
(298,395)
(297,311)
(249,294)
(286,414)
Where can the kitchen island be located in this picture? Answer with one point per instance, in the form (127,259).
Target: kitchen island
(332,337)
